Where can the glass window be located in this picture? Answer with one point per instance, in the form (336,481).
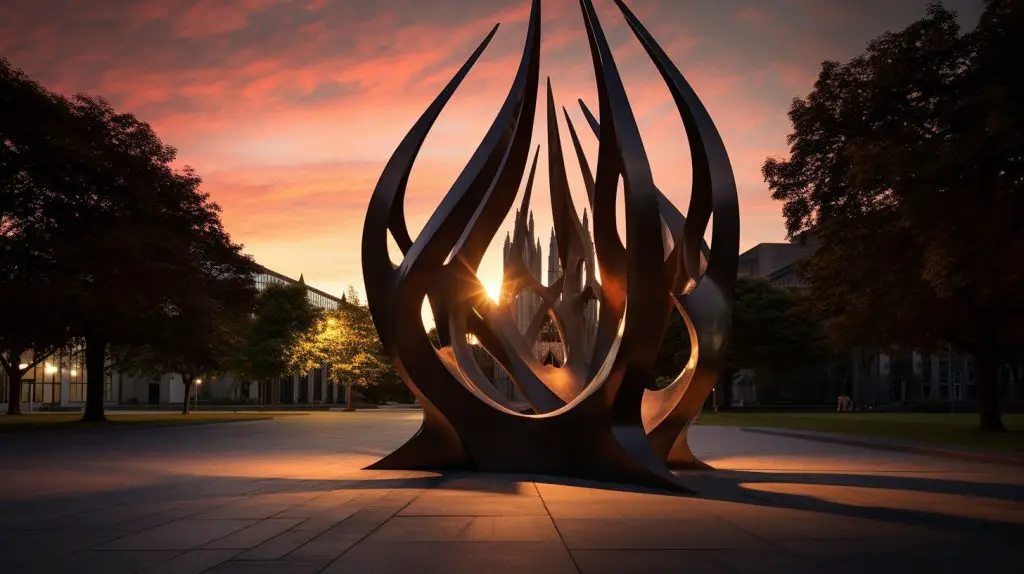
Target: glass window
(286,388)
(76,383)
(28,387)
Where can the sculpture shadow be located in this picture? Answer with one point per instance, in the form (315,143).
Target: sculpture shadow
(734,487)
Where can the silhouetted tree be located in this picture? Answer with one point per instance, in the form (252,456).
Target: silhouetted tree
(775,331)
(33,140)
(906,163)
(204,335)
(125,240)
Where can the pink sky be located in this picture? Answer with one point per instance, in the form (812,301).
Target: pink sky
(290,108)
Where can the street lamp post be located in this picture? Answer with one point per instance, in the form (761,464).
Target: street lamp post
(196,403)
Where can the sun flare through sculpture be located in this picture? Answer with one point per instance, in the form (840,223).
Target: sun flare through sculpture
(599,415)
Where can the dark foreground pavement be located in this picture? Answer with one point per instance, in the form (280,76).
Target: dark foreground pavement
(287,496)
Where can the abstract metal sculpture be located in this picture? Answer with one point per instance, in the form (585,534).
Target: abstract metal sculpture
(598,416)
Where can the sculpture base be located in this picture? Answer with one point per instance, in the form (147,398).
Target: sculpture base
(621,458)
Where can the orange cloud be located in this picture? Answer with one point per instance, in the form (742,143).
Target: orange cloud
(290,108)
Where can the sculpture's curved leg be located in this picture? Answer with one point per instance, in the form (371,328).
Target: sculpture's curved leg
(681,457)
(435,446)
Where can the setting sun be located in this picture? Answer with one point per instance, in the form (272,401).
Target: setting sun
(493,288)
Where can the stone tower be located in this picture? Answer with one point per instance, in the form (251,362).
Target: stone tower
(526,304)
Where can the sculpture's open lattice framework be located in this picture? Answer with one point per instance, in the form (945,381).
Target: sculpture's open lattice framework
(599,416)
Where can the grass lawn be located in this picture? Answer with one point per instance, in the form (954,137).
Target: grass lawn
(49,421)
(941,429)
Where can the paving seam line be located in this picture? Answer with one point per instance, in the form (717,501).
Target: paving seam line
(557,529)
(370,533)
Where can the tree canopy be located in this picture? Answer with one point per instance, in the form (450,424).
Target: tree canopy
(774,330)
(104,238)
(773,327)
(906,163)
(33,126)
(201,338)
(283,316)
(345,340)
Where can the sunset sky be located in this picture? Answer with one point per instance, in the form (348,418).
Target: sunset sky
(290,108)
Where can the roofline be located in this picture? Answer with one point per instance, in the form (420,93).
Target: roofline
(284,277)
(772,244)
(780,271)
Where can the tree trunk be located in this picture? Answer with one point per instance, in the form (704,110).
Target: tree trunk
(1018,375)
(14,376)
(863,387)
(987,360)
(725,382)
(188,382)
(95,378)
(348,398)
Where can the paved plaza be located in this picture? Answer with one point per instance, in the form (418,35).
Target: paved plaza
(288,496)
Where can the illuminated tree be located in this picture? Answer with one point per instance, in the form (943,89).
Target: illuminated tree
(344,340)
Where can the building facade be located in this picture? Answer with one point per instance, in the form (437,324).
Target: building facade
(868,376)
(59,382)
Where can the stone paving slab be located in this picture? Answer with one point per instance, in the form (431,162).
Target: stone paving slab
(279,546)
(193,562)
(655,533)
(295,566)
(449,557)
(604,561)
(254,535)
(466,529)
(288,496)
(184,534)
